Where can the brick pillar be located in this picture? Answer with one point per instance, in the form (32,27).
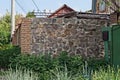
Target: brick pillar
(25,36)
(114,18)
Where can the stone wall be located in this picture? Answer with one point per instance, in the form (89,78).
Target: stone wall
(76,36)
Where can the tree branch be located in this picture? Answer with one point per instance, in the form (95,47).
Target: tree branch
(114,2)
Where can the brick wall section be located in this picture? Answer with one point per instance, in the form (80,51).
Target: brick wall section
(25,36)
(113,18)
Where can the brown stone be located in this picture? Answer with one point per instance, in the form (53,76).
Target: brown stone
(48,35)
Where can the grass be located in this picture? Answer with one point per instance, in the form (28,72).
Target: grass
(102,74)
(109,74)
(19,75)
(61,75)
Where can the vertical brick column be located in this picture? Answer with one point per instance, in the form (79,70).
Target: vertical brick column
(113,18)
(25,36)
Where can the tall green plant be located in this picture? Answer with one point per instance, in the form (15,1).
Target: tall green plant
(8,54)
(5,29)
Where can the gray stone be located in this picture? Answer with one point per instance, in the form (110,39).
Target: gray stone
(76,36)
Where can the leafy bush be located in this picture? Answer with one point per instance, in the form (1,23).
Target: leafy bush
(5,29)
(5,46)
(95,64)
(6,55)
(74,63)
(43,64)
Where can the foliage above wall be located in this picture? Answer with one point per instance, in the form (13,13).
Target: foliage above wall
(30,15)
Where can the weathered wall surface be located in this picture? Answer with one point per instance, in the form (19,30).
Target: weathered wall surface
(22,36)
(25,36)
(76,36)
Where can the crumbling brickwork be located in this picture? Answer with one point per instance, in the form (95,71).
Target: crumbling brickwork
(22,36)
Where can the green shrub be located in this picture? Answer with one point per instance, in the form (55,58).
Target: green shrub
(74,63)
(46,62)
(95,64)
(5,46)
(6,55)
(43,64)
(5,29)
(36,63)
